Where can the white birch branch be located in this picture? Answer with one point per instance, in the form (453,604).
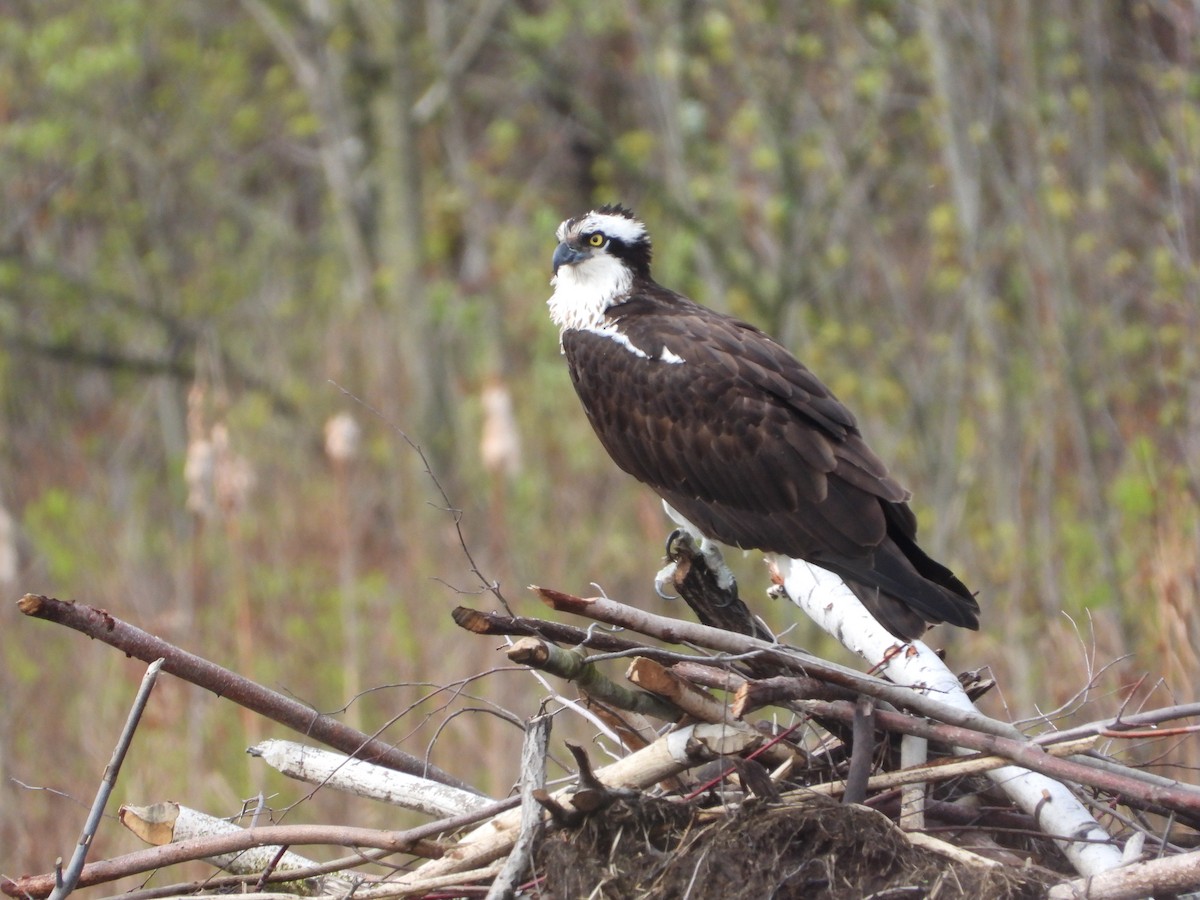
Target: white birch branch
(832,605)
(168,822)
(364,779)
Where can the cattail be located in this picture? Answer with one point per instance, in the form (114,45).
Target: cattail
(8,548)
(233,478)
(343,439)
(198,474)
(500,443)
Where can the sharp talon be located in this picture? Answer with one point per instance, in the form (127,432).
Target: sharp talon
(671,539)
(664,577)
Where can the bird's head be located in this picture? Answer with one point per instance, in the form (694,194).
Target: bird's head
(597,258)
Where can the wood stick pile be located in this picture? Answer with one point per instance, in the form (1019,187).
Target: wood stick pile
(745,769)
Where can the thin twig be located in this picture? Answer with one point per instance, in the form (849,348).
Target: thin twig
(1120,722)
(456,514)
(70,877)
(218,883)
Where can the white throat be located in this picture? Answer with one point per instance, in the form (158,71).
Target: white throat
(582,292)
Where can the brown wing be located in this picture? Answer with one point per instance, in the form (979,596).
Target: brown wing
(750,446)
(739,433)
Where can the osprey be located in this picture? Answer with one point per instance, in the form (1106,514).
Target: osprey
(733,432)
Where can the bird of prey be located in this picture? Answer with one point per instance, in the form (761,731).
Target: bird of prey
(733,432)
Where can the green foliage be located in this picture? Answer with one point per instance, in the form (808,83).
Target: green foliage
(63,528)
(1135,491)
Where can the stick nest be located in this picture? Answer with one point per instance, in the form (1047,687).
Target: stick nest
(651,847)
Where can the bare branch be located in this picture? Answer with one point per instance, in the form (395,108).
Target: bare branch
(1154,877)
(575,667)
(71,876)
(484,622)
(1030,756)
(533,779)
(1113,726)
(790,659)
(103,626)
(417,842)
(862,751)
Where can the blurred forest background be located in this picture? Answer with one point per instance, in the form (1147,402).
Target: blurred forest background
(248,248)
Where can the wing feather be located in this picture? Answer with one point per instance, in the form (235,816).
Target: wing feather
(740,430)
(752,448)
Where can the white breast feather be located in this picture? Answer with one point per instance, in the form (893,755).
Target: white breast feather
(583,292)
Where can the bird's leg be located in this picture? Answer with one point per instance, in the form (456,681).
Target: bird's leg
(716,564)
(709,549)
(682,546)
(708,587)
(713,561)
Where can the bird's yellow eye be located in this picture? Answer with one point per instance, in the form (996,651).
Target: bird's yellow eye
(596,239)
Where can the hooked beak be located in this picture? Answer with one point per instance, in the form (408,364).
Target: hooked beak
(566,255)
